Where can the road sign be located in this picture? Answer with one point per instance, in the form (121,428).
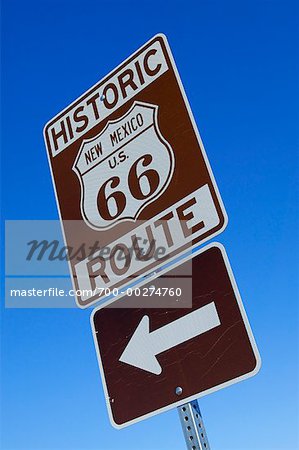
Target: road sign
(129,168)
(153,359)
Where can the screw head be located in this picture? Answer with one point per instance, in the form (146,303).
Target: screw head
(178,390)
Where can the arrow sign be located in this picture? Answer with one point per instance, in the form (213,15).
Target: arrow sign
(144,345)
(156,350)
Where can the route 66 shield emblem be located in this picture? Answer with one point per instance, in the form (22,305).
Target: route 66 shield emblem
(124,168)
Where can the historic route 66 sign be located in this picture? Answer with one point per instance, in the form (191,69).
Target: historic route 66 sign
(131,176)
(124,168)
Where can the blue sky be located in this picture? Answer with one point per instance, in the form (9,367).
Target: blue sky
(239,65)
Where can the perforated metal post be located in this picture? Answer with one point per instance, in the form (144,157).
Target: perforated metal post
(193,427)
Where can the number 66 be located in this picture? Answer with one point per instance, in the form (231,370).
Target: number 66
(118,198)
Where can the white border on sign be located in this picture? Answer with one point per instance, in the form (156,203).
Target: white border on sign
(200,394)
(143,278)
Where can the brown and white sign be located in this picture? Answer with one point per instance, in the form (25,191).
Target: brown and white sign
(129,167)
(153,358)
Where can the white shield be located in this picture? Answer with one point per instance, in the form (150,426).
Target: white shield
(124,168)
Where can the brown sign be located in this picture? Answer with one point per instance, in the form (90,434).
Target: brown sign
(129,168)
(154,358)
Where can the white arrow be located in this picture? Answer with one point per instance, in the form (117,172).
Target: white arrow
(144,345)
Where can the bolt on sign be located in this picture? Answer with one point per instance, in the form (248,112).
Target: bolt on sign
(131,175)
(164,357)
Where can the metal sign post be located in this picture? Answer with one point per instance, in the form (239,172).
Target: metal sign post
(193,427)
